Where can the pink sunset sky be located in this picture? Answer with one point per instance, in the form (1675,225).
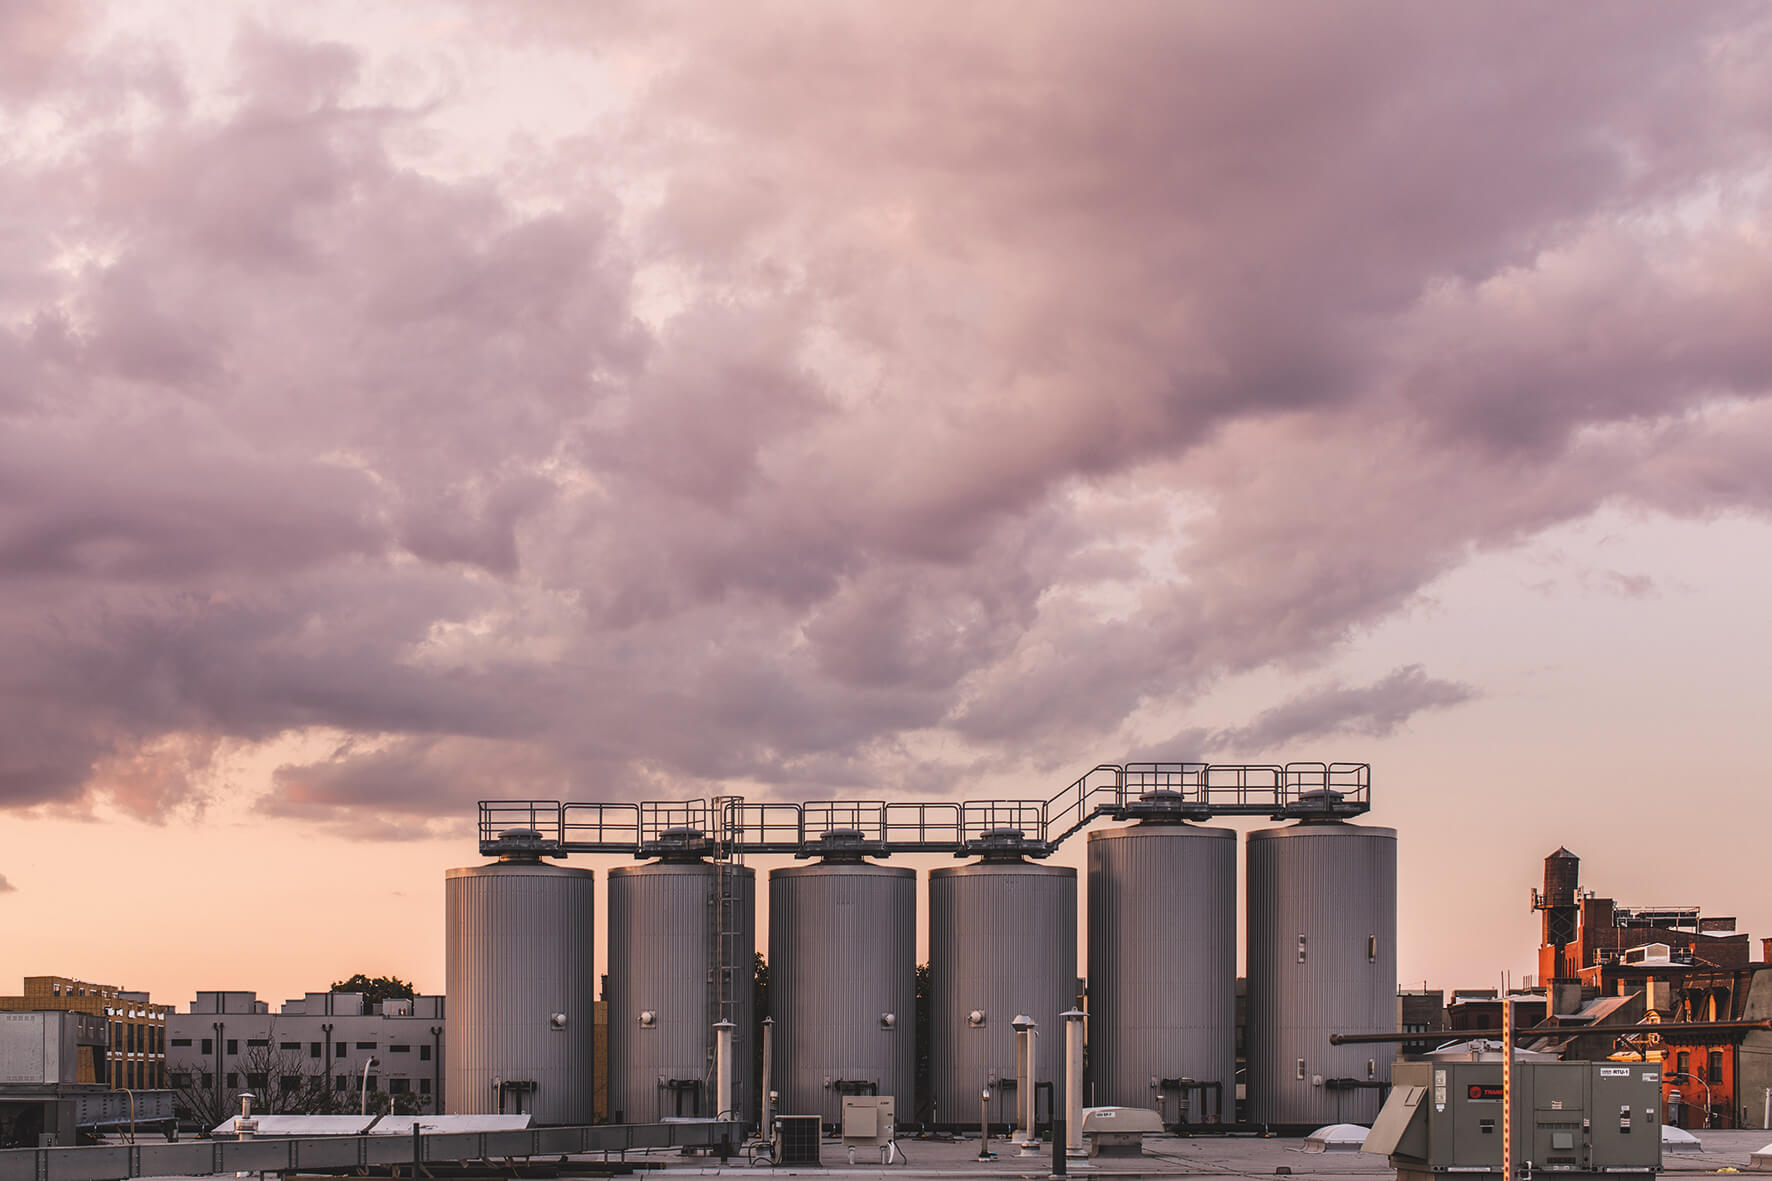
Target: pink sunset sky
(408,403)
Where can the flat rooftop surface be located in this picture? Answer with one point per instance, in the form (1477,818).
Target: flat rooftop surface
(1205,1156)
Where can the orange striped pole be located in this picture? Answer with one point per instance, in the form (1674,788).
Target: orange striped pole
(1507,1087)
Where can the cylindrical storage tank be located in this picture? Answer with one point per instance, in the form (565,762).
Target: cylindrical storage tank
(521,986)
(1002,944)
(843,984)
(1322,948)
(671,925)
(1562,878)
(1163,970)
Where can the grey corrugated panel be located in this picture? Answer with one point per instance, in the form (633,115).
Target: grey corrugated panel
(1002,939)
(1162,964)
(842,951)
(661,960)
(1335,885)
(519,944)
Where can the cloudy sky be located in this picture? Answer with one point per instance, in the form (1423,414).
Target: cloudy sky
(406,404)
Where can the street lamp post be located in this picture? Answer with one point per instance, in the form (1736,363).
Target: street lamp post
(1702,1083)
(363,1095)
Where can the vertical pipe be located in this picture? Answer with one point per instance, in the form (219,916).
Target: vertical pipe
(1073,1082)
(768,1071)
(984,1125)
(1030,1126)
(723,1069)
(1024,1078)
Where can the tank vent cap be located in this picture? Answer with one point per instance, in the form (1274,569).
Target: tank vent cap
(1320,803)
(677,844)
(842,845)
(1004,844)
(1166,807)
(519,845)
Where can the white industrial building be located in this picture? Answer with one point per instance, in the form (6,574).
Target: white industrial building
(228,1042)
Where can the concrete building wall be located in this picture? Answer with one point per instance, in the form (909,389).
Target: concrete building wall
(226,1038)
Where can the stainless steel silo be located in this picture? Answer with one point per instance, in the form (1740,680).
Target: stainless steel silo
(1163,970)
(521,984)
(843,984)
(672,923)
(1002,944)
(1322,959)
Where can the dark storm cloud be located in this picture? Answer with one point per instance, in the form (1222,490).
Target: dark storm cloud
(870,400)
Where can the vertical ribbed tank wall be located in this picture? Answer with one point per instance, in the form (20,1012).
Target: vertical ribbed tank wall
(1322,959)
(663,989)
(1002,942)
(521,985)
(1163,968)
(843,985)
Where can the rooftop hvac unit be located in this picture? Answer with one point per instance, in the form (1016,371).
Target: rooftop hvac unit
(796,1139)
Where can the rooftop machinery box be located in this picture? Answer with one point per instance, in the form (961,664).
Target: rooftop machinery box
(1576,1118)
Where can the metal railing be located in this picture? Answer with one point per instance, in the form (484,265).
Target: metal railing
(339,1154)
(1191,790)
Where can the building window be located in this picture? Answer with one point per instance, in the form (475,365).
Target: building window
(257,1080)
(181,1078)
(398,1086)
(233,1046)
(424,1086)
(289,1045)
(129,1076)
(181,1041)
(338,1082)
(1716,1066)
(288,1083)
(1684,1062)
(233,1080)
(366,1045)
(424,1053)
(258,1043)
(314,1049)
(399,1049)
(338,1051)
(374,1083)
(208,1080)
(208,1045)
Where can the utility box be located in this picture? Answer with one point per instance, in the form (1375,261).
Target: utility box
(1119,1131)
(796,1139)
(1577,1118)
(867,1121)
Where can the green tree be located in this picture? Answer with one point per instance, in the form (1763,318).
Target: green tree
(374,988)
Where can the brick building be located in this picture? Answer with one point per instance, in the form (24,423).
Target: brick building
(1678,966)
(135,1058)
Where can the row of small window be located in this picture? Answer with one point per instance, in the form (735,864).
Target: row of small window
(126,1038)
(288,1083)
(146,1075)
(315,1049)
(1713,1069)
